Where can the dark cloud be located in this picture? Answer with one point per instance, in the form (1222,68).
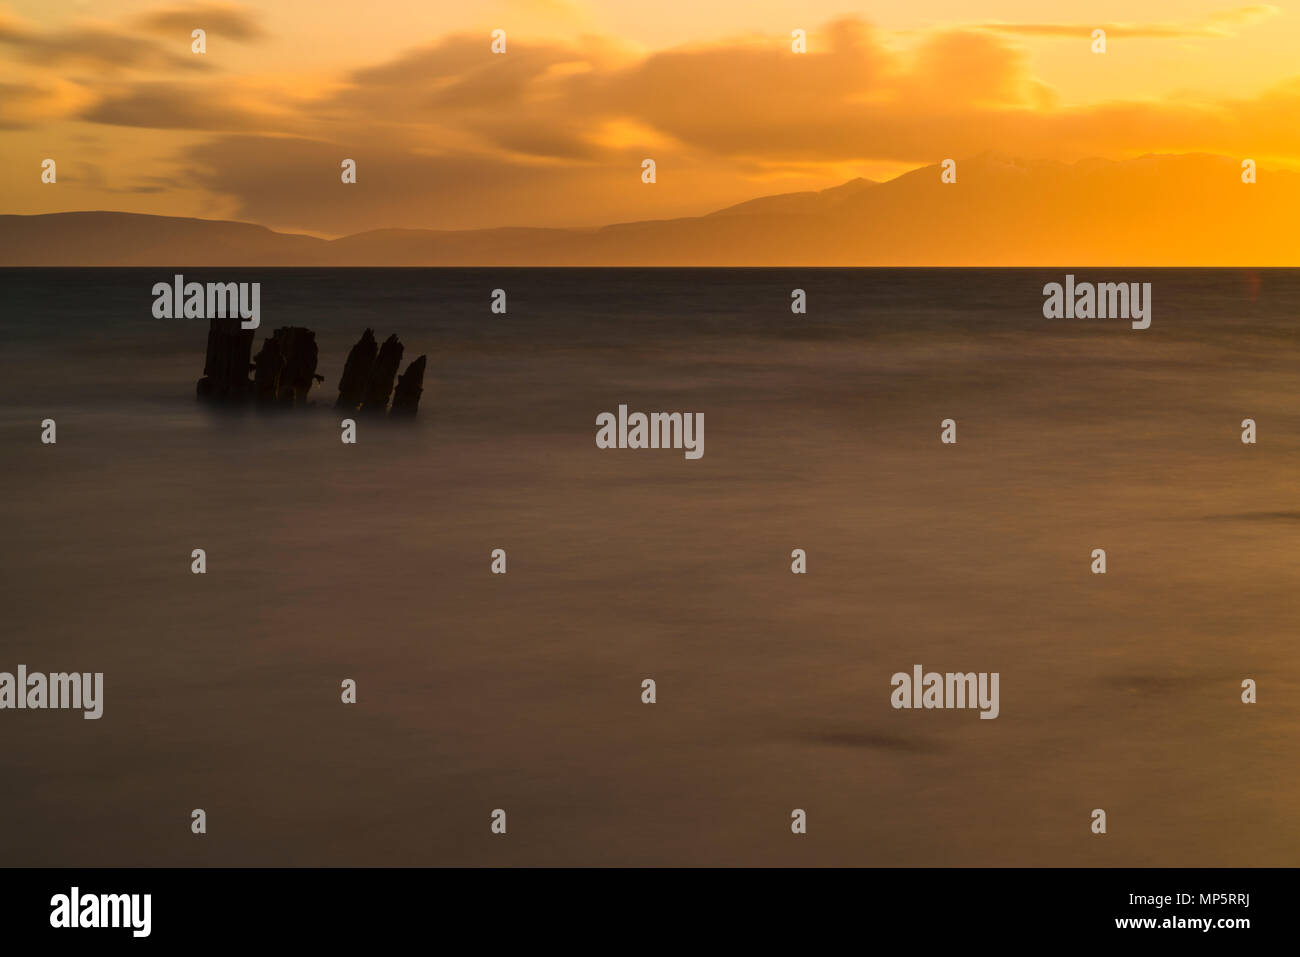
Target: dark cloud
(93,46)
(225,20)
(173,107)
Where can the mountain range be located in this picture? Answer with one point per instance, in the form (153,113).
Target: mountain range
(1158,210)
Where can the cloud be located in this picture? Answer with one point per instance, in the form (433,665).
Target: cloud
(25,105)
(454,95)
(1217,24)
(114,50)
(18,104)
(279,180)
(174,106)
(222,19)
(90,46)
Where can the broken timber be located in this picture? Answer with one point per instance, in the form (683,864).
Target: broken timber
(284,371)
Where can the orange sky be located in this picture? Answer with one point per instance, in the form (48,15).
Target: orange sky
(448,135)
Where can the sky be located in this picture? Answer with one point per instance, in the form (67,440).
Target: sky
(448,135)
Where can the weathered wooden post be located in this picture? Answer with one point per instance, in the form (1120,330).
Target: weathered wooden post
(225,367)
(406,397)
(356,372)
(269,364)
(381,377)
(298,350)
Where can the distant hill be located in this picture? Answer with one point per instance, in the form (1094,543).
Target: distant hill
(807,203)
(1184,210)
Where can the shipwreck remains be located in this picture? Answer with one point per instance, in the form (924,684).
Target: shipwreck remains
(356,372)
(298,374)
(382,374)
(284,371)
(225,370)
(367,379)
(406,397)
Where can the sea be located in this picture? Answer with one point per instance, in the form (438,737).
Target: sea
(523,692)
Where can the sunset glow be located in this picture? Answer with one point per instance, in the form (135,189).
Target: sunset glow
(450,136)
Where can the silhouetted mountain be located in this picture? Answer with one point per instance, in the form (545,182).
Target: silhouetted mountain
(131,239)
(823,201)
(1187,210)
